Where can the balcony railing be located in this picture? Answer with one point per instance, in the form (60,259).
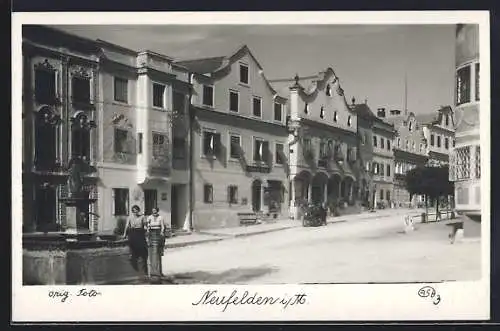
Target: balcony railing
(261,168)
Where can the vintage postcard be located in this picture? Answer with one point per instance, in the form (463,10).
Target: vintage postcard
(259,166)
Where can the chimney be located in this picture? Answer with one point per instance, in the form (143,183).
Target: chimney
(381,112)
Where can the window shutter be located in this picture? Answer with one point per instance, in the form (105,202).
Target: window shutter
(265,151)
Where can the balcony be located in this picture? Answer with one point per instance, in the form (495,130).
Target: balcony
(83,104)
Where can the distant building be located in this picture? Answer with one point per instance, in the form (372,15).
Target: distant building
(240,140)
(439,135)
(409,152)
(322,137)
(383,160)
(365,150)
(466,155)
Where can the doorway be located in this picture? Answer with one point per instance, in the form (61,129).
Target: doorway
(179,205)
(150,201)
(256,195)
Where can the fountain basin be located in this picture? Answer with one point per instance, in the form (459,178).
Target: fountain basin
(52,259)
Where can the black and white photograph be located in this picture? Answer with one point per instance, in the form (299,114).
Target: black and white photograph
(211,156)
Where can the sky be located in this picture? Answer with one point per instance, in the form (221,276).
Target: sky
(371,61)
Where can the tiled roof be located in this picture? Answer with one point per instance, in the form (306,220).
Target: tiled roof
(362,110)
(203,66)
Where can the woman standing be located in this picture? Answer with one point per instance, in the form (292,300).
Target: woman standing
(156,235)
(135,229)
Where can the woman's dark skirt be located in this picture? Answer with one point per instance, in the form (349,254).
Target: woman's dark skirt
(138,246)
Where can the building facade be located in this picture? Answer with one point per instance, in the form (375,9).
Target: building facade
(439,135)
(322,140)
(383,161)
(240,140)
(365,151)
(409,152)
(465,168)
(110,109)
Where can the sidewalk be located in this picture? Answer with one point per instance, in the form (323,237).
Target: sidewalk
(214,235)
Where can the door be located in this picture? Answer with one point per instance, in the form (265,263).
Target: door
(256,193)
(46,209)
(150,201)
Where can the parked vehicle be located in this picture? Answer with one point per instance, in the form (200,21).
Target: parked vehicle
(314,215)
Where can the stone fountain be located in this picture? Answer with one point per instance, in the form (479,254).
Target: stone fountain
(76,255)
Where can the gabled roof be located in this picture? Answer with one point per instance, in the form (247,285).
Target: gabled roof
(363,111)
(211,65)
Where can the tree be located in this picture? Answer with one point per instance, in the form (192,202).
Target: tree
(430,181)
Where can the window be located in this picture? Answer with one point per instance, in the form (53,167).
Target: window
(388,145)
(179,102)
(322,112)
(208,95)
(413,145)
(45,86)
(388,195)
(179,148)
(381,169)
(349,121)
(363,138)
(388,170)
(382,142)
(399,142)
(234,102)
(453,142)
(257,107)
(208,193)
(306,109)
(211,142)
(279,153)
(410,126)
(375,168)
(121,89)
(407,144)
(432,140)
(477,82)
(278,112)
(463,85)
(261,150)
(120,140)
(335,116)
(120,201)
(235,146)
(244,74)
(463,162)
(139,143)
(158,95)
(80,142)
(45,141)
(232,194)
(375,141)
(323,150)
(438,141)
(381,194)
(80,89)
(159,145)
(150,201)
(446,143)
(328,90)
(447,120)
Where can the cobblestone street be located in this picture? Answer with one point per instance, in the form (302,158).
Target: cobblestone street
(364,250)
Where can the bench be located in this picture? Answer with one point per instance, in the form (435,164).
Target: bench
(247,218)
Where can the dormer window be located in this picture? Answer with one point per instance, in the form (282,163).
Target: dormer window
(410,126)
(306,109)
(278,112)
(335,116)
(349,120)
(447,120)
(328,90)
(244,74)
(322,112)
